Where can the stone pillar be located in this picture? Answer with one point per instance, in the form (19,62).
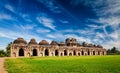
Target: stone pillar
(67,53)
(89,53)
(25,52)
(59,53)
(17,52)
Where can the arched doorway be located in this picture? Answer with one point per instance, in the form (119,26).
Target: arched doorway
(93,52)
(74,52)
(70,54)
(56,52)
(98,52)
(21,52)
(103,53)
(82,52)
(61,54)
(65,52)
(34,52)
(46,52)
(78,54)
(88,52)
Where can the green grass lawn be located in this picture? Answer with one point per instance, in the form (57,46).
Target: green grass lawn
(73,64)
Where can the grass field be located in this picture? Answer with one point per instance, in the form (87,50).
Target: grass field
(73,64)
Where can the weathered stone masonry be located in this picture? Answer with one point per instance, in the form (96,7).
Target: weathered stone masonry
(70,48)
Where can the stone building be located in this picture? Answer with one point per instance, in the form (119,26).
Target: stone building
(68,48)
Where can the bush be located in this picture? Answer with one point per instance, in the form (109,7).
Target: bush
(2,53)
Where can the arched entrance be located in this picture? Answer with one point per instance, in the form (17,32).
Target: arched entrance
(34,52)
(98,52)
(103,53)
(46,52)
(70,54)
(61,54)
(65,52)
(78,54)
(21,52)
(82,52)
(93,52)
(56,52)
(88,52)
(74,52)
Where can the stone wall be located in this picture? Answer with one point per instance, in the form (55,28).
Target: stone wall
(27,50)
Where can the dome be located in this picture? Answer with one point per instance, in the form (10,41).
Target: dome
(33,41)
(62,44)
(43,42)
(73,40)
(68,40)
(53,43)
(90,45)
(19,41)
(99,46)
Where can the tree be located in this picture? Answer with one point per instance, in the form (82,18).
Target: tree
(8,49)
(113,51)
(2,53)
(84,44)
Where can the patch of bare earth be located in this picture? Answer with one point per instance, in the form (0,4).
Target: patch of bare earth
(2,65)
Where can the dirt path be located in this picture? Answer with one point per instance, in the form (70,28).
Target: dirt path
(2,68)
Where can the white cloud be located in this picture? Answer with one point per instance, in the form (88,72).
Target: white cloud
(47,22)
(64,21)
(26,17)
(101,7)
(100,35)
(42,30)
(62,37)
(15,34)
(51,36)
(52,5)
(112,21)
(5,16)
(9,8)
(115,35)
(94,26)
(25,27)
(86,31)
(108,12)
(111,44)
(79,38)
(12,35)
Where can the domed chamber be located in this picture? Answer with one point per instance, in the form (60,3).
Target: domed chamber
(19,41)
(44,42)
(32,42)
(53,43)
(62,44)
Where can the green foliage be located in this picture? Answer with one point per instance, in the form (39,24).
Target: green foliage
(84,44)
(8,49)
(71,64)
(2,53)
(113,51)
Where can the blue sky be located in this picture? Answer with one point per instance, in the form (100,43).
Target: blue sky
(92,21)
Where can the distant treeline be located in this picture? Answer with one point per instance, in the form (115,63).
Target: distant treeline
(7,52)
(113,51)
